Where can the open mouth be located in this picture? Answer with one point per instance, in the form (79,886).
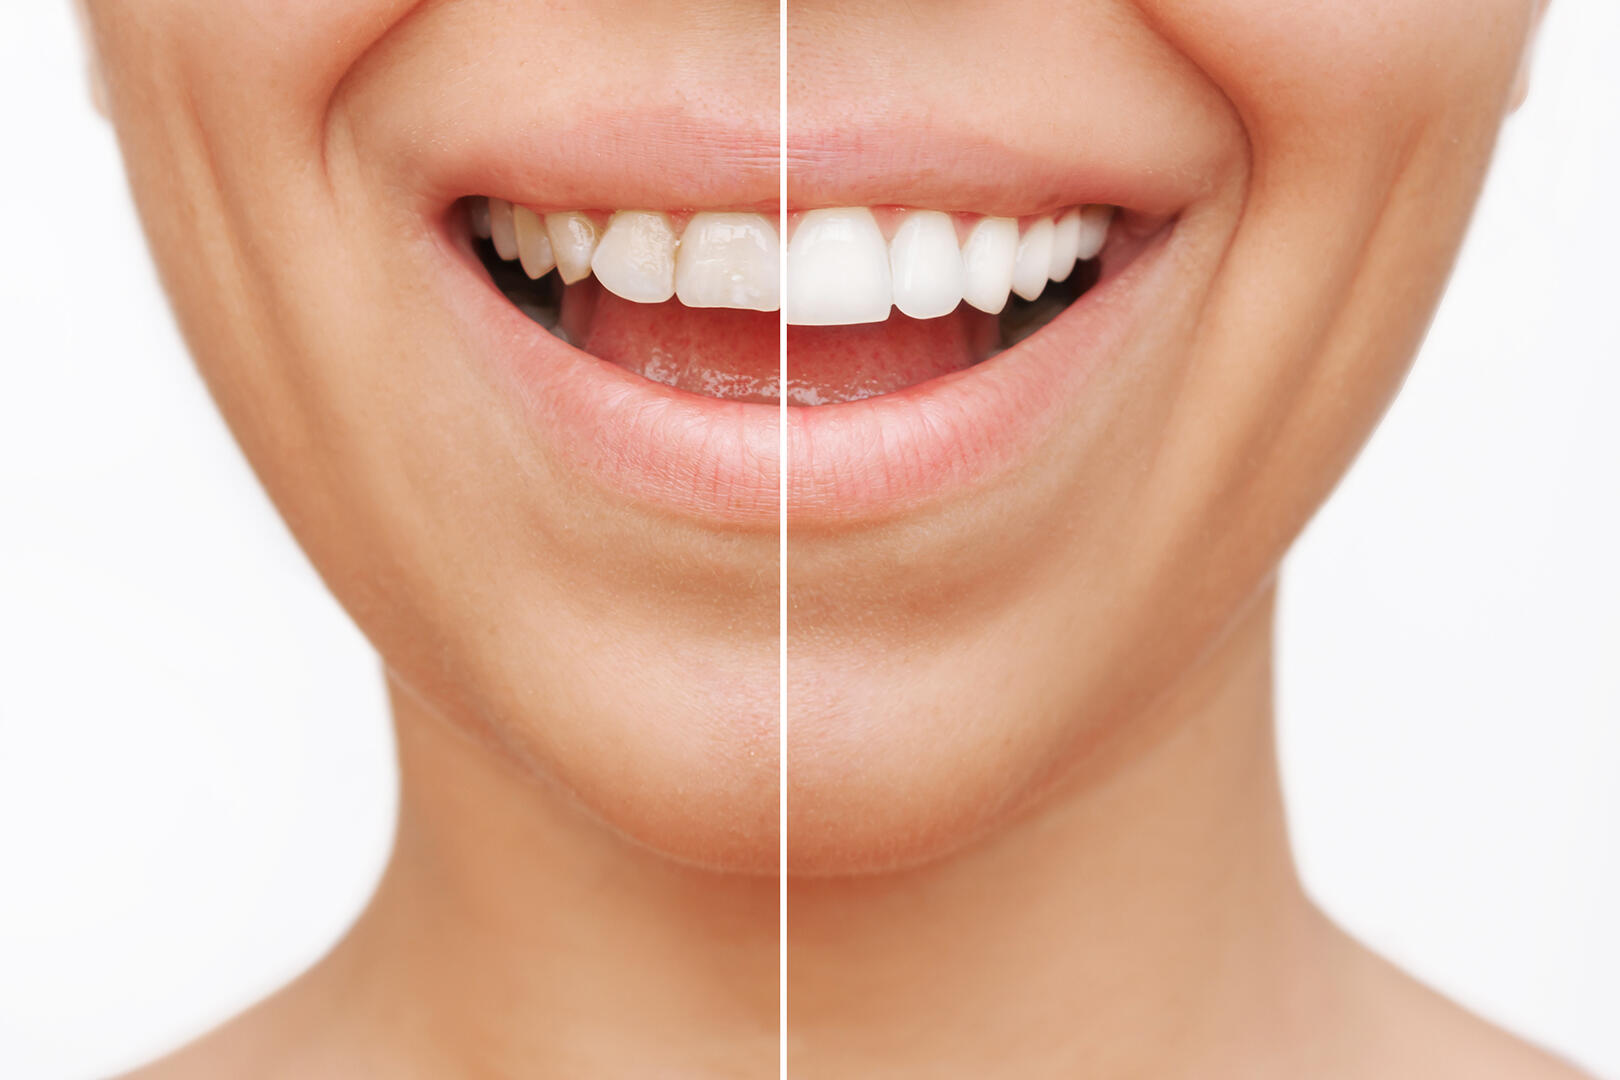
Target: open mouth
(688,301)
(878,300)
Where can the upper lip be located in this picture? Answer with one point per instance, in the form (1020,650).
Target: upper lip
(969,173)
(663,160)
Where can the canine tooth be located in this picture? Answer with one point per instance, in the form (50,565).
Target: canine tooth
(987,259)
(1094,222)
(1034,259)
(636,257)
(478,216)
(926,265)
(729,260)
(502,231)
(534,247)
(838,269)
(1065,244)
(573,242)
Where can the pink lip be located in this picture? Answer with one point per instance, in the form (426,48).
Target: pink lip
(664,159)
(694,457)
(715,462)
(865,460)
(900,166)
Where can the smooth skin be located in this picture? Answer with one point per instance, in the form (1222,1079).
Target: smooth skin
(585,692)
(1035,823)
(1085,872)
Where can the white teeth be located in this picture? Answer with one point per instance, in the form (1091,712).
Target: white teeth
(988,257)
(728,260)
(1065,244)
(534,247)
(1094,222)
(502,232)
(841,270)
(573,242)
(926,265)
(838,270)
(1034,260)
(636,257)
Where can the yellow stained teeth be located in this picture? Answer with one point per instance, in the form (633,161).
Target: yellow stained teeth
(502,229)
(573,242)
(728,260)
(534,245)
(636,257)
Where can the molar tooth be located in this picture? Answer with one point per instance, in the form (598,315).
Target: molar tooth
(534,247)
(502,231)
(1034,259)
(988,257)
(478,217)
(1094,222)
(636,257)
(1065,244)
(838,269)
(926,265)
(573,242)
(729,260)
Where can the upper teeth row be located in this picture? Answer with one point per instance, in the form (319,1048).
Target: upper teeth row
(840,270)
(721,259)
(840,267)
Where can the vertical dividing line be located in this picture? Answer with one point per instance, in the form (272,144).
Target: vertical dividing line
(782,549)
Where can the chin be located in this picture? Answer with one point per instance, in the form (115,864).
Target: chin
(885,779)
(682,768)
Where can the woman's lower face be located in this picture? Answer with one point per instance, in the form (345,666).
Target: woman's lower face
(1090,304)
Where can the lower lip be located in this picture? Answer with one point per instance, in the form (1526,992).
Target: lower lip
(716,461)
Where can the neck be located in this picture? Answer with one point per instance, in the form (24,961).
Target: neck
(512,931)
(1143,921)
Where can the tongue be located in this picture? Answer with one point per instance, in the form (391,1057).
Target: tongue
(829,364)
(720,352)
(717,352)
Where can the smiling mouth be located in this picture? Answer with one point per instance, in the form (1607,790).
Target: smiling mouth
(879,300)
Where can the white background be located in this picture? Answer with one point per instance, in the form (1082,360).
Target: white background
(196,787)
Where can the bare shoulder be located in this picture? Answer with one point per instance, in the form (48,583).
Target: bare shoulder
(257,1045)
(232,1050)
(1415,1032)
(295,1033)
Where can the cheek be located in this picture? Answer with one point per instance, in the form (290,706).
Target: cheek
(275,53)
(1346,67)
